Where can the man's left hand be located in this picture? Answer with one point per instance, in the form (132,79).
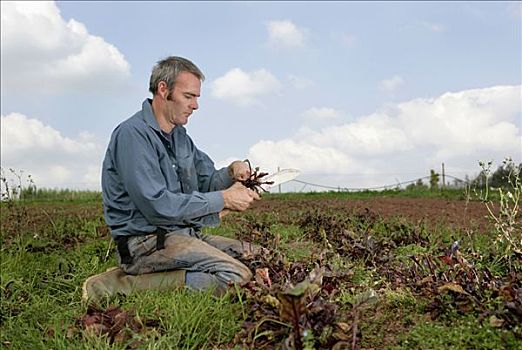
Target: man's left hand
(239,170)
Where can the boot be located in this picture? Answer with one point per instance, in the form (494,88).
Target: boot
(115,280)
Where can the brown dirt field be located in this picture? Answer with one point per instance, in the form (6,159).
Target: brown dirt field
(38,217)
(453,213)
(458,214)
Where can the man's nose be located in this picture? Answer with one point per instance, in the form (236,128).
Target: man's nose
(194,105)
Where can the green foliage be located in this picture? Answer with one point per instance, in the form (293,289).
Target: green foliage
(400,298)
(408,192)
(434,180)
(417,186)
(60,195)
(41,299)
(41,289)
(504,177)
(188,319)
(48,250)
(459,334)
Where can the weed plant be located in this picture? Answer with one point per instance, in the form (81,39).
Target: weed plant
(507,220)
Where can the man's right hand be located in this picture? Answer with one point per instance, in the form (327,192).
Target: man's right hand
(237,197)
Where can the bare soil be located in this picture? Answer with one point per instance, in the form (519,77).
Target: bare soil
(458,214)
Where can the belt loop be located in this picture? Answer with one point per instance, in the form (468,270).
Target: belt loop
(160,238)
(123,249)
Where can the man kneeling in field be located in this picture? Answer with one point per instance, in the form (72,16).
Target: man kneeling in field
(160,190)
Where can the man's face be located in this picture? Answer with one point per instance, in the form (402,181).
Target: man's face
(183,99)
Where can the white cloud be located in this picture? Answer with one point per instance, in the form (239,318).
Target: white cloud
(412,137)
(41,50)
(391,85)
(374,135)
(244,88)
(285,34)
(466,122)
(301,155)
(50,158)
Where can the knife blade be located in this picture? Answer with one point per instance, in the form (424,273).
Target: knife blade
(280,177)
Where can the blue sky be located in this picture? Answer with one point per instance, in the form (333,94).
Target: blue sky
(354,94)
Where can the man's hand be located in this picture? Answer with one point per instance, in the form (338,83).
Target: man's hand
(238,198)
(239,170)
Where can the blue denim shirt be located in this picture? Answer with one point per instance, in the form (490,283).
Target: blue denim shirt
(149,182)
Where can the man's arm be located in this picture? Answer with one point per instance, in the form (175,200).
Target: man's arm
(210,179)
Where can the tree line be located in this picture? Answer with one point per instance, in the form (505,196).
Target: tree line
(506,176)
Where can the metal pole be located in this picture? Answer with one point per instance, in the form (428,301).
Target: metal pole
(443,177)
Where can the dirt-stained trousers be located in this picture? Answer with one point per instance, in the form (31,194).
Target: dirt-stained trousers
(209,260)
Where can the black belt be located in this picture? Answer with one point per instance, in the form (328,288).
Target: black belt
(123,246)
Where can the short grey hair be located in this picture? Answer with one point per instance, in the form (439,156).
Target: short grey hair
(168,69)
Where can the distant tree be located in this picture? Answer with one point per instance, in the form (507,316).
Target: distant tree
(505,175)
(418,185)
(480,180)
(434,180)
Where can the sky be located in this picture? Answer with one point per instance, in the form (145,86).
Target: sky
(352,94)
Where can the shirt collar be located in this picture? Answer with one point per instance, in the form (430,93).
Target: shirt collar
(148,115)
(150,119)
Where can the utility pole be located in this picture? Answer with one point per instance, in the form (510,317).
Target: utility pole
(443,177)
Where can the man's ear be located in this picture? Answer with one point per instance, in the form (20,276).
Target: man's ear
(163,90)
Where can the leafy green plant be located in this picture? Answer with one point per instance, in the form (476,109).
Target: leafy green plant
(293,307)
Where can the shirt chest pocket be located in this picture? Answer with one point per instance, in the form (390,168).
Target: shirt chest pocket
(186,172)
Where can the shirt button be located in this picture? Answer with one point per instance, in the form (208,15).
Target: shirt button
(173,165)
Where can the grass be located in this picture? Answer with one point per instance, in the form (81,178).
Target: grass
(59,195)
(49,248)
(448,193)
(41,299)
(188,320)
(32,194)
(463,333)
